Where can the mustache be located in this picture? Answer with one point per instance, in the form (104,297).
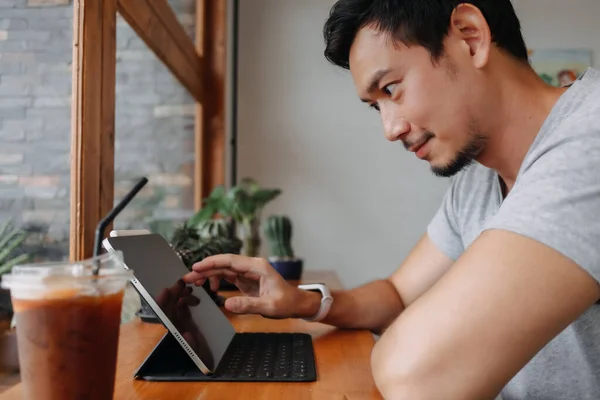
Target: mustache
(425,137)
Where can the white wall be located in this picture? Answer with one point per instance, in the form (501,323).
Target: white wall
(561,24)
(358,202)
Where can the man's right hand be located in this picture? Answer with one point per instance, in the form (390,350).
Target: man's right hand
(265,291)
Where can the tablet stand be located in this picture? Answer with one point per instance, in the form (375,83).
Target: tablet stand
(168,361)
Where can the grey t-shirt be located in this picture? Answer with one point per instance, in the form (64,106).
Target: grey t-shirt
(555,200)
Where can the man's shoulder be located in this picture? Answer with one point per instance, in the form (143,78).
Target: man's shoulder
(571,134)
(580,104)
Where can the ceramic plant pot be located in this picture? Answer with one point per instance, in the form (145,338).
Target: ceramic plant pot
(289,269)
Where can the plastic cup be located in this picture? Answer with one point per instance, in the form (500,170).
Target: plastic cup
(67,326)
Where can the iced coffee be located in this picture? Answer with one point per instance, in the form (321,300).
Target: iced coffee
(67,325)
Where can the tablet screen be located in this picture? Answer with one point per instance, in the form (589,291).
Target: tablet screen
(189,308)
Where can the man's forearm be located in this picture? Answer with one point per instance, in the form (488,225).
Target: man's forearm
(373,306)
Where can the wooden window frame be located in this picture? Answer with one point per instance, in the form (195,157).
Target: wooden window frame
(199,67)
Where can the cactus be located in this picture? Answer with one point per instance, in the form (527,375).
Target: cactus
(278,230)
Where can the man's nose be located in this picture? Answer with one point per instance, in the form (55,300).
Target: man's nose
(394,126)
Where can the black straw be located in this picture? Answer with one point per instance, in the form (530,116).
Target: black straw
(111,216)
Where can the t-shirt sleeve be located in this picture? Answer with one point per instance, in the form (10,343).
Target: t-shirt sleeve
(443,229)
(556,200)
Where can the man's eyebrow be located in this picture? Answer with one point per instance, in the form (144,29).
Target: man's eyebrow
(374,82)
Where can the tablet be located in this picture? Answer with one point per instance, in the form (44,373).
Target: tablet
(201,344)
(187,311)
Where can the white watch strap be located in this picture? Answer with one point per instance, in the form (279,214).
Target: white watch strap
(326,300)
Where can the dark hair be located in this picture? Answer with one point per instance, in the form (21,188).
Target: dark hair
(416,22)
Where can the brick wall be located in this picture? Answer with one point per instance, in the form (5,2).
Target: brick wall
(154,121)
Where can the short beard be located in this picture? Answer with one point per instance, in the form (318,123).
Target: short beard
(464,158)
(474,147)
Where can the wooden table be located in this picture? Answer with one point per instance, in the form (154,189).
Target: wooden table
(342,357)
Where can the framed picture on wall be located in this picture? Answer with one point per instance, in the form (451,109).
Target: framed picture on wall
(560,67)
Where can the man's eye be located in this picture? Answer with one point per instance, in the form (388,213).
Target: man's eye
(389,89)
(374,106)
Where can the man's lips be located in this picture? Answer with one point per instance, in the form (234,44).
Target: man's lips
(415,147)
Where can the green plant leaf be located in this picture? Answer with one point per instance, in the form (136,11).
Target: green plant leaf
(8,245)
(234,193)
(227,206)
(249,185)
(210,206)
(7,266)
(7,238)
(263,196)
(247,205)
(203,215)
(234,203)
(217,193)
(241,203)
(5,228)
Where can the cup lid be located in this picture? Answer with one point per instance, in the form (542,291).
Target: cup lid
(43,274)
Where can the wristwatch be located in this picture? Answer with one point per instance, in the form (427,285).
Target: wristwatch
(326,300)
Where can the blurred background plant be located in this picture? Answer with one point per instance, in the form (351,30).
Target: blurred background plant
(278,230)
(11,242)
(40,246)
(12,252)
(237,208)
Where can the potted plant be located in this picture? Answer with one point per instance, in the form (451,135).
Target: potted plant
(278,231)
(11,241)
(242,205)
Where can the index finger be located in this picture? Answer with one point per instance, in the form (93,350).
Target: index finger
(236,263)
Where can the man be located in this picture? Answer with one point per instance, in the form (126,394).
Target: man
(499,295)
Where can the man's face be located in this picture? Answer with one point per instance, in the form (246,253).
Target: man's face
(425,105)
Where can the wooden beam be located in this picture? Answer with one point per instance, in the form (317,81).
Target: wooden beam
(211,38)
(93,120)
(156,24)
(199,140)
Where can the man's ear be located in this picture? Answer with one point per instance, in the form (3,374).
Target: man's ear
(468,25)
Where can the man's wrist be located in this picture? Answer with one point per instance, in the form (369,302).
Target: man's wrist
(309,303)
